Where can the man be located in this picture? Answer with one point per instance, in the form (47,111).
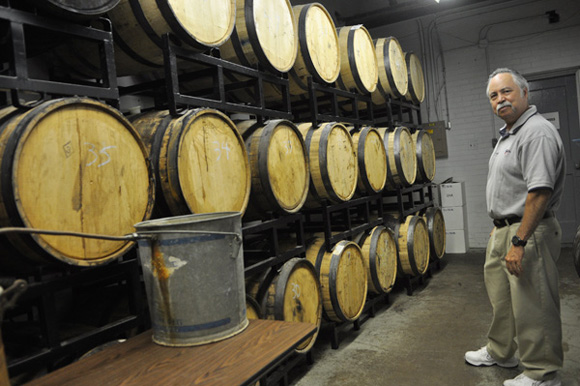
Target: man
(524,187)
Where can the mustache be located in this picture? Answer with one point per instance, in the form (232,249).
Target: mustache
(504,104)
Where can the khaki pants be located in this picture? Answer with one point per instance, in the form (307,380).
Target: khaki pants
(526,308)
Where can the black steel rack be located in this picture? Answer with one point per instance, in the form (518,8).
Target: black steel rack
(332,105)
(396,112)
(410,200)
(323,103)
(225,79)
(345,219)
(37,314)
(18,77)
(269,231)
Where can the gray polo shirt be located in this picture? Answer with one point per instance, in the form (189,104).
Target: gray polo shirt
(528,157)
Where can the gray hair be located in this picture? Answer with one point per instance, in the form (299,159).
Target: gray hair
(518,79)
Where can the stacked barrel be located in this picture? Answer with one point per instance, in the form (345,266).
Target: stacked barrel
(77,164)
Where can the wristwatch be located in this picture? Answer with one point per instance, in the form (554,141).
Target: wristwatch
(518,242)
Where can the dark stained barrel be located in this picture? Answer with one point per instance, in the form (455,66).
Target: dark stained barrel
(76,9)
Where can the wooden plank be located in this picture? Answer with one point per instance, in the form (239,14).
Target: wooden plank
(239,360)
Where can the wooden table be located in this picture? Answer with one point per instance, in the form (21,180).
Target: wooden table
(239,360)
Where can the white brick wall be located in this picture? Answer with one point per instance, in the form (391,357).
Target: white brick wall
(469,140)
(527,44)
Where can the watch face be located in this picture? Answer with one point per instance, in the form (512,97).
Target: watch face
(518,242)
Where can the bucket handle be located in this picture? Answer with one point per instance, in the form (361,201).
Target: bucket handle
(128,237)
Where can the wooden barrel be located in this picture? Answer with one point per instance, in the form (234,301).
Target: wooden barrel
(343,278)
(379,250)
(257,284)
(72,164)
(435,222)
(295,296)
(265,35)
(333,162)
(425,156)
(4,378)
(279,165)
(76,9)
(200,161)
(253,309)
(393,77)
(401,157)
(413,242)
(372,160)
(318,54)
(139,26)
(416,92)
(577,251)
(358,60)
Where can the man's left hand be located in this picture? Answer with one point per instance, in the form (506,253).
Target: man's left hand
(513,260)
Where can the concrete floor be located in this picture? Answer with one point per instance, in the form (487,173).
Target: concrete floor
(420,340)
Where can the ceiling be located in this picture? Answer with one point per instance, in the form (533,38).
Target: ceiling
(376,13)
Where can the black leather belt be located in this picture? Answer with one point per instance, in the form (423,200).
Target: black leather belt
(502,222)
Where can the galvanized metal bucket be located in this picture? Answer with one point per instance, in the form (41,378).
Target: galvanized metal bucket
(194,276)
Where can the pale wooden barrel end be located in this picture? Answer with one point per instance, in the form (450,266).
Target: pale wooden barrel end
(413,242)
(393,75)
(270,37)
(333,162)
(139,28)
(379,250)
(425,156)
(372,160)
(295,296)
(200,159)
(279,166)
(359,66)
(77,165)
(401,157)
(343,278)
(436,226)
(416,92)
(318,51)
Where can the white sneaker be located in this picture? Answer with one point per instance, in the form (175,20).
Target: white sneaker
(482,358)
(522,380)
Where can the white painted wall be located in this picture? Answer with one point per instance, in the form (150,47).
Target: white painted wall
(473,44)
(469,45)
